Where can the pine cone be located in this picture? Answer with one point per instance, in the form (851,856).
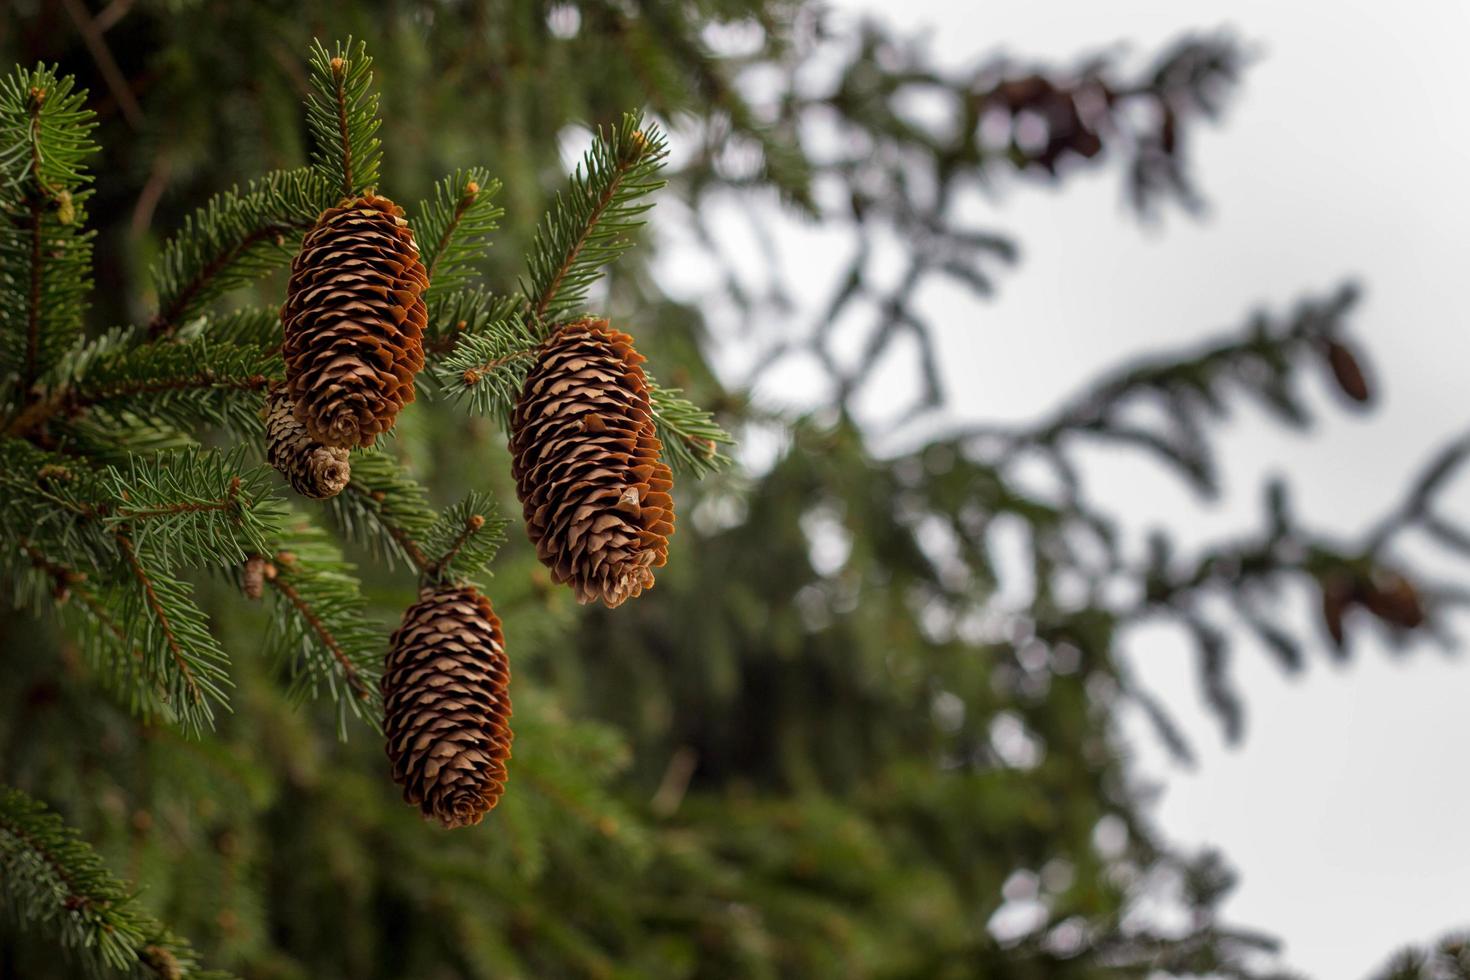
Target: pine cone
(313,470)
(446,691)
(354,322)
(1348,372)
(586,465)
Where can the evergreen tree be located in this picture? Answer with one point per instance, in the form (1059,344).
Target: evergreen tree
(821,745)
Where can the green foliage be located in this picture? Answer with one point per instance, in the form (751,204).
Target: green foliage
(184,508)
(342,111)
(45,246)
(465,539)
(320,626)
(236,238)
(690,435)
(49,876)
(190,385)
(454,227)
(846,729)
(384,508)
(592,222)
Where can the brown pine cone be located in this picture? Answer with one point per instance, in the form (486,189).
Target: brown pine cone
(586,463)
(1393,599)
(446,693)
(1348,372)
(313,470)
(354,322)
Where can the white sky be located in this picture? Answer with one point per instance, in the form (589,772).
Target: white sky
(1344,154)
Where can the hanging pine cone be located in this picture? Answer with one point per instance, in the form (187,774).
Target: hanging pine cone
(354,322)
(1347,371)
(446,693)
(586,464)
(313,470)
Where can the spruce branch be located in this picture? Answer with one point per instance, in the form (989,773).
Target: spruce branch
(466,312)
(488,365)
(342,112)
(236,238)
(193,508)
(589,225)
(189,384)
(320,627)
(181,654)
(45,135)
(384,509)
(690,435)
(50,878)
(454,226)
(465,539)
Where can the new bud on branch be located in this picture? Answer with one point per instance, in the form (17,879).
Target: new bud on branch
(587,465)
(354,322)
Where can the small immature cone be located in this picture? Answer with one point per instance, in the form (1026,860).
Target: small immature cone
(1348,372)
(354,322)
(313,470)
(252,580)
(1337,598)
(1393,599)
(446,693)
(587,466)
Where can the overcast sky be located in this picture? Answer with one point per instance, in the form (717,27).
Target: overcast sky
(1343,155)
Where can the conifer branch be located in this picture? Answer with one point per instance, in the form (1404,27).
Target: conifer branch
(189,384)
(235,238)
(465,539)
(690,435)
(51,878)
(384,509)
(456,225)
(349,670)
(161,617)
(45,135)
(401,537)
(587,227)
(342,112)
(321,629)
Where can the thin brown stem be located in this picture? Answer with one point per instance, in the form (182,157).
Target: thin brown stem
(74,401)
(166,320)
(339,73)
(191,507)
(472,526)
(405,540)
(106,64)
(349,669)
(473,376)
(472,191)
(160,614)
(603,203)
